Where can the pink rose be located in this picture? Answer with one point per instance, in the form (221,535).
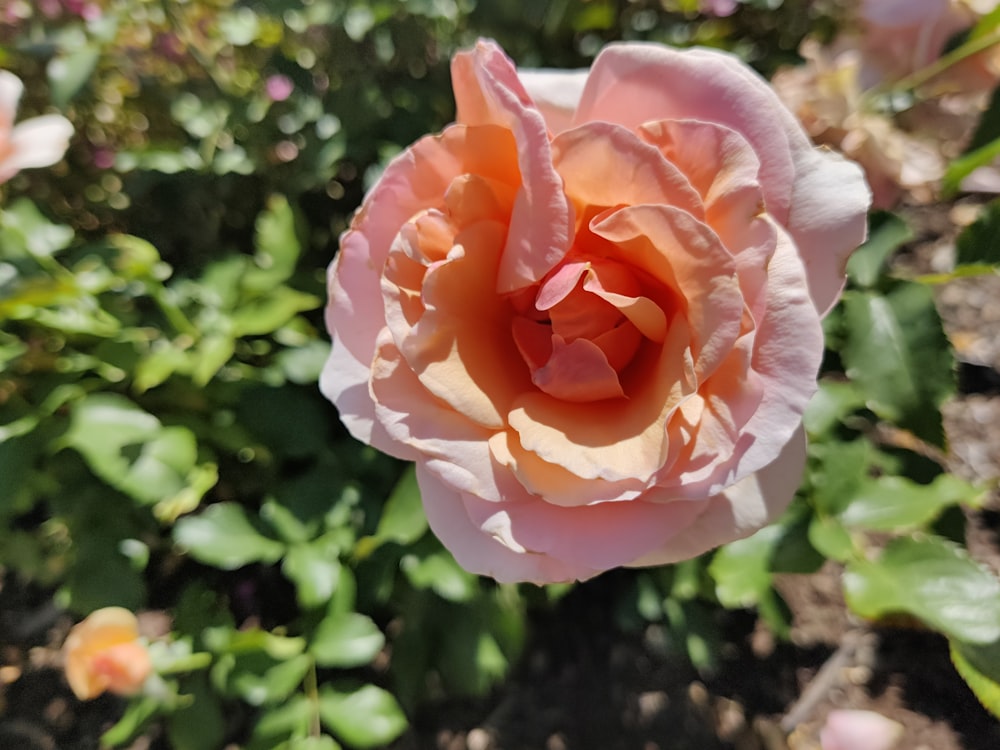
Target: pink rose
(720,8)
(859,730)
(103,652)
(37,142)
(903,36)
(590,309)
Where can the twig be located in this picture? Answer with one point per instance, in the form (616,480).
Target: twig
(828,676)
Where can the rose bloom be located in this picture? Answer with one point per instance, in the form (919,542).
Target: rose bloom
(590,309)
(900,37)
(826,95)
(859,730)
(103,652)
(36,142)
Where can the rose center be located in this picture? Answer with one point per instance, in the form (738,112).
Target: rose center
(581,326)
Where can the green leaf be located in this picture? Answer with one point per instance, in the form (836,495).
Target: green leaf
(315,569)
(223,536)
(210,355)
(439,572)
(290,717)
(829,536)
(367,717)
(129,449)
(200,725)
(278,247)
(264,315)
(198,481)
(140,712)
(891,503)
(888,232)
(742,569)
(837,470)
(22,225)
(979,666)
(69,72)
(979,243)
(931,579)
(346,640)
(897,352)
(163,360)
(835,400)
(225,639)
(471,660)
(402,521)
(283,520)
(258,678)
(968,163)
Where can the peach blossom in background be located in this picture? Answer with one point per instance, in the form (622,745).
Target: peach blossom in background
(826,95)
(590,309)
(859,730)
(103,652)
(719,8)
(36,142)
(902,36)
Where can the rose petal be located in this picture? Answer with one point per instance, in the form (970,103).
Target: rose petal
(487,91)
(38,142)
(738,511)
(452,446)
(482,553)
(556,94)
(554,484)
(577,371)
(11,89)
(616,439)
(461,349)
(687,257)
(787,352)
(603,164)
(820,197)
(588,537)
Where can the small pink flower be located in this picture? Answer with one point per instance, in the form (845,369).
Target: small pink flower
(278,87)
(859,730)
(104,653)
(720,8)
(37,142)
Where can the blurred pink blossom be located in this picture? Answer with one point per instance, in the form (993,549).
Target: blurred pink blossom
(859,730)
(902,36)
(827,96)
(36,142)
(86,10)
(719,7)
(278,87)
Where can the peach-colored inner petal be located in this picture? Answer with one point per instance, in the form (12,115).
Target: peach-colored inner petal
(553,483)
(614,439)
(577,371)
(607,165)
(461,348)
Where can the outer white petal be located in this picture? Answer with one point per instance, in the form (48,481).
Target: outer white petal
(39,142)
(556,93)
(10,94)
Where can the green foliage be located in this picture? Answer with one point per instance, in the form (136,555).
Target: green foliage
(931,579)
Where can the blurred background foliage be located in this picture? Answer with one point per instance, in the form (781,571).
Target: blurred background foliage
(163,444)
